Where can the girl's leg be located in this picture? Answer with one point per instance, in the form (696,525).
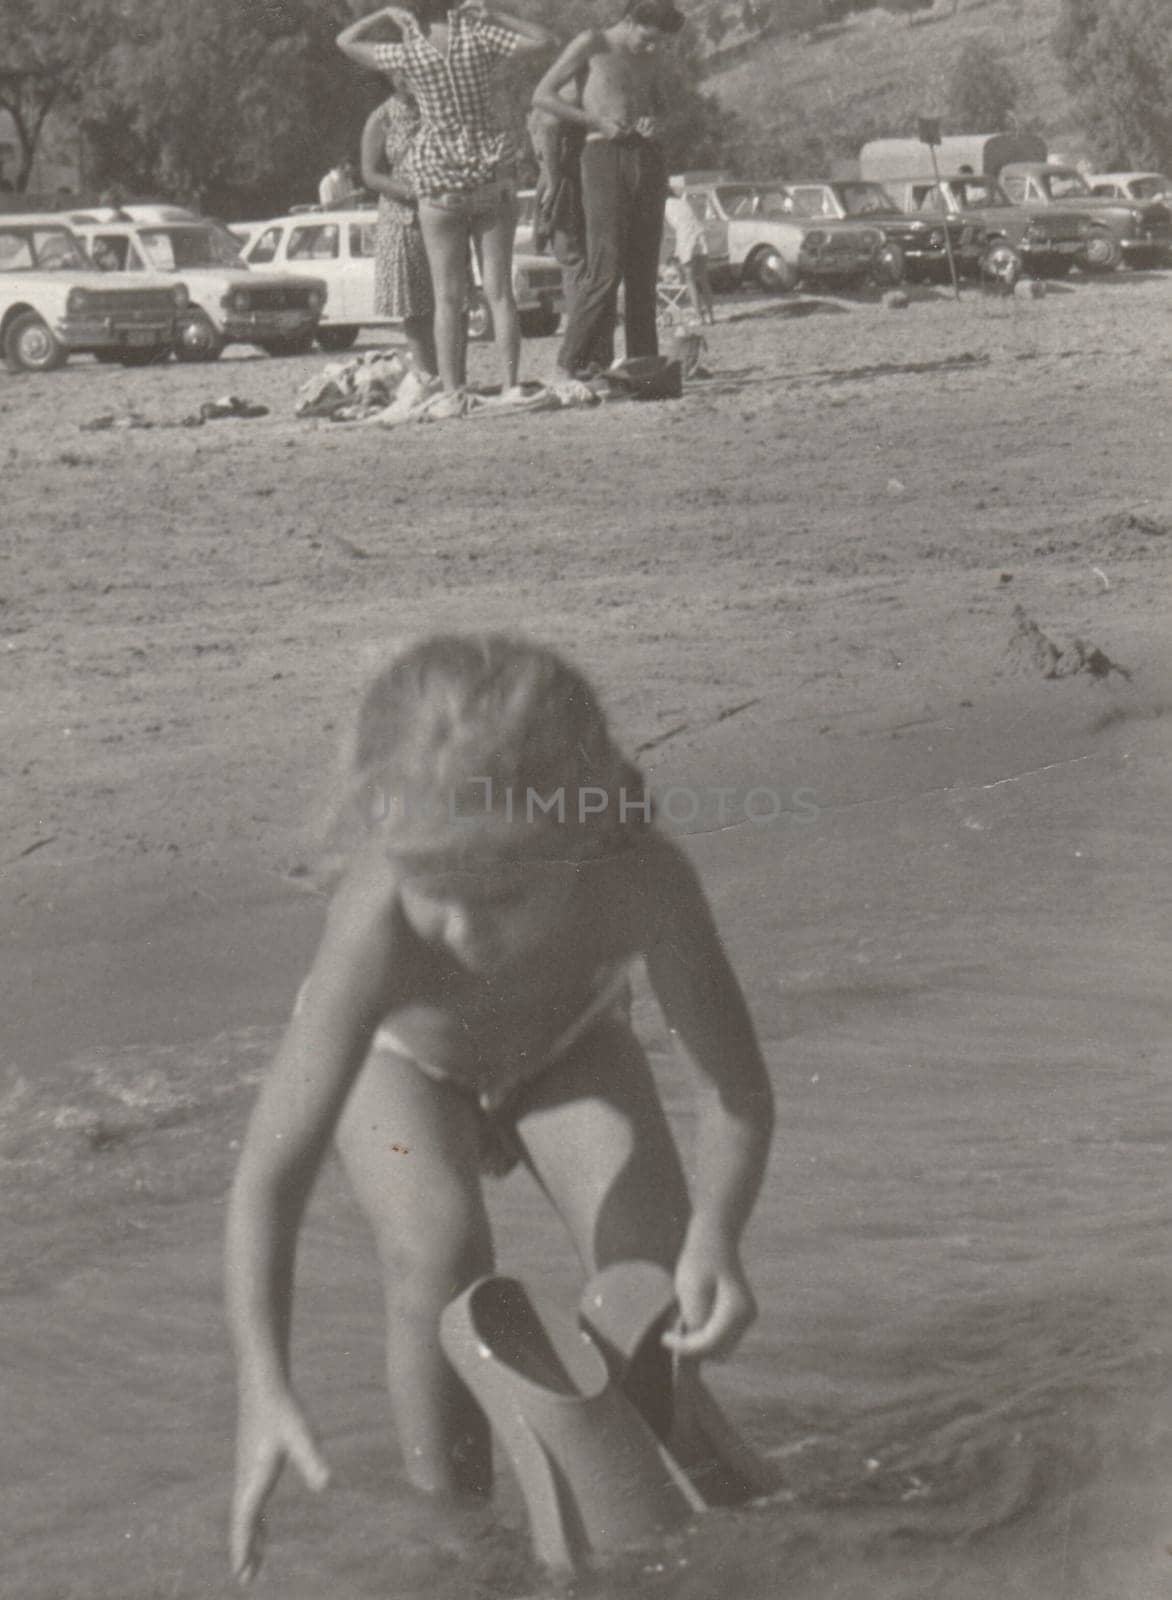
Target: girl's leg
(410,1147)
(704,285)
(419,337)
(597,1139)
(494,239)
(691,277)
(445,238)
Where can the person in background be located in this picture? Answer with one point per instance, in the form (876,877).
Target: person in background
(402,279)
(559,220)
(624,177)
(340,183)
(691,252)
(461,165)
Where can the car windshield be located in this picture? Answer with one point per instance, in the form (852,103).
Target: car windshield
(40,250)
(747,200)
(1153,188)
(172,249)
(978,194)
(1063,185)
(864,199)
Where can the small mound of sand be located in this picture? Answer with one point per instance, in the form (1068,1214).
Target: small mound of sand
(1031,645)
(1121,523)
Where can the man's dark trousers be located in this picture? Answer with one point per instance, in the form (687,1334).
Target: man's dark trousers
(624,184)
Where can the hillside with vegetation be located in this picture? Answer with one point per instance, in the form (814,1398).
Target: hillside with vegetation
(806,100)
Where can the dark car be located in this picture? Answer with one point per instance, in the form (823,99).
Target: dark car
(1048,240)
(1138,232)
(920,240)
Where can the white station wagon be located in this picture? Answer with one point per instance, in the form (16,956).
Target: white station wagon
(339,246)
(53,303)
(230,304)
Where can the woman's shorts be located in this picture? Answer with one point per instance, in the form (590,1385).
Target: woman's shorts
(485,203)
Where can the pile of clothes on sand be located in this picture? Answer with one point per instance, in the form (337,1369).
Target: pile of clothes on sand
(382,387)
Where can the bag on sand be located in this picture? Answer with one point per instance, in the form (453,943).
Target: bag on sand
(648,377)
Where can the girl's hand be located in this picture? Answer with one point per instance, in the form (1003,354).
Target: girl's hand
(272,1430)
(716,1303)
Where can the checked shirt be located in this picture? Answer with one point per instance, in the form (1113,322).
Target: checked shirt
(458,146)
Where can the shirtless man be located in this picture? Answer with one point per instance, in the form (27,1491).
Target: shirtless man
(624,179)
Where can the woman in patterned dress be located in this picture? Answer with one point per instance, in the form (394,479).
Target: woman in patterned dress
(460,162)
(402,279)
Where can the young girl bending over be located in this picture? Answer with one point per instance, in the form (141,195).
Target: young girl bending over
(460,164)
(468,1005)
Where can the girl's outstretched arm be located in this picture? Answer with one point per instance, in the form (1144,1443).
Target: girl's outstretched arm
(533,36)
(324,1046)
(706,1011)
(351,43)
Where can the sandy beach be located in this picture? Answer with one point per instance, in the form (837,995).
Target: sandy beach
(904,576)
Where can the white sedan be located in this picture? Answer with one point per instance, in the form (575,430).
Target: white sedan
(229,303)
(339,247)
(54,303)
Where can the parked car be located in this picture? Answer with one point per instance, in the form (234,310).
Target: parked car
(919,240)
(339,246)
(133,211)
(54,303)
(1046,240)
(244,233)
(230,304)
(1130,185)
(1138,232)
(754,234)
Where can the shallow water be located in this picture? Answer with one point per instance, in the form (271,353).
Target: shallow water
(962,1364)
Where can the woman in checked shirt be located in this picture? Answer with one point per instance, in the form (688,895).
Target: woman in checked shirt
(460,162)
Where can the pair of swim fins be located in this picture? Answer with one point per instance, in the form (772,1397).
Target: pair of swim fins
(610,1445)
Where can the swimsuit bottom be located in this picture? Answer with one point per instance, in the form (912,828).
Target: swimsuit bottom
(500,1150)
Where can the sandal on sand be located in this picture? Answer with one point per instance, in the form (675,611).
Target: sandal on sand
(627,1308)
(594,1477)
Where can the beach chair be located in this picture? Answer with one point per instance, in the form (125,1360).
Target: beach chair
(671,295)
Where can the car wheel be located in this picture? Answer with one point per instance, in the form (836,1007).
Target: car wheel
(198,339)
(539,324)
(296,345)
(1001,266)
(1102,251)
(30,345)
(479,320)
(331,339)
(770,271)
(890,265)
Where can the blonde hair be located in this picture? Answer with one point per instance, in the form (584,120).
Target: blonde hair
(476,724)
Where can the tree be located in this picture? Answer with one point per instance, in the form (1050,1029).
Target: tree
(231,104)
(49,50)
(715,27)
(1117,56)
(982,92)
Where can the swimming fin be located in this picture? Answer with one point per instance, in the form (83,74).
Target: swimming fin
(627,1308)
(594,1477)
